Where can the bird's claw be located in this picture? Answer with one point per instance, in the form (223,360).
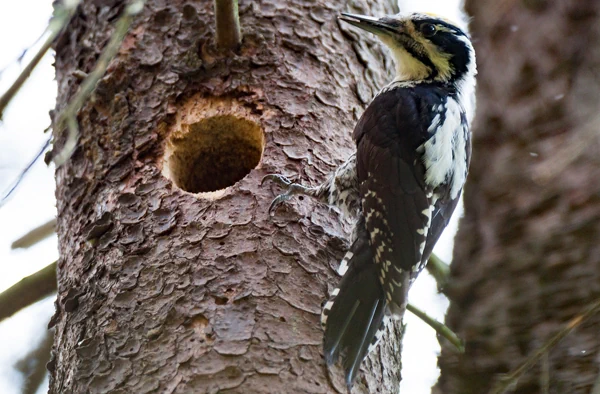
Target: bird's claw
(289,187)
(277,201)
(276,178)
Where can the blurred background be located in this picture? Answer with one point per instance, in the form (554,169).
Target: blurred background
(32,204)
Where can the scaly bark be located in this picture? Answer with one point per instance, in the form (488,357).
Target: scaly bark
(527,255)
(160,290)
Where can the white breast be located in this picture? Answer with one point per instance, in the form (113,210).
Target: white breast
(445,153)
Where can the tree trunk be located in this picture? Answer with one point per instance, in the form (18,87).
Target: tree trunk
(161,289)
(527,256)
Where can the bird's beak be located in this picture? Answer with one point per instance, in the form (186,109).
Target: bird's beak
(368,23)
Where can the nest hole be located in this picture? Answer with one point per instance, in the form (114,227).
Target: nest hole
(214,153)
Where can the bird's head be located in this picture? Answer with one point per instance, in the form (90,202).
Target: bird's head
(425,47)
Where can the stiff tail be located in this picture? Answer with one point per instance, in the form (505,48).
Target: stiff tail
(355,315)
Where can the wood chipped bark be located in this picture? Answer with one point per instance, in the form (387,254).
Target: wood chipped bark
(103,224)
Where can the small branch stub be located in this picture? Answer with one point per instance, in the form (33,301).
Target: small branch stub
(227,20)
(29,290)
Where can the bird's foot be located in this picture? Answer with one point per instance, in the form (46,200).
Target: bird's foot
(289,187)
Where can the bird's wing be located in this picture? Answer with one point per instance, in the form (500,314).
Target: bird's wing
(395,201)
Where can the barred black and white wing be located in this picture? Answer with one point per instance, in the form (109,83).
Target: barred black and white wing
(396,201)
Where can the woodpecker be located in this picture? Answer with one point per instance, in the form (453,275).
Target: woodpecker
(413,149)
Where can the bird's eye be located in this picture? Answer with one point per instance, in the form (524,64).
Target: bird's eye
(428,30)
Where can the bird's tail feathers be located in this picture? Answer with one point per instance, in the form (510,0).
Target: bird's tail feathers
(355,315)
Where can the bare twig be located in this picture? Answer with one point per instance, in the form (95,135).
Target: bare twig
(545,374)
(36,235)
(228,24)
(6,194)
(29,290)
(439,270)
(440,328)
(67,117)
(33,364)
(62,16)
(505,382)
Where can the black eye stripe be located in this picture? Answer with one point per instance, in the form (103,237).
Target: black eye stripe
(446,39)
(438,22)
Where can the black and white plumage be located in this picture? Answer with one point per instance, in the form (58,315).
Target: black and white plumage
(413,152)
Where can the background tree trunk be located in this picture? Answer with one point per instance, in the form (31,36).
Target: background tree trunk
(527,256)
(160,290)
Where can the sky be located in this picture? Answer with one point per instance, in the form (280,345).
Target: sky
(21,136)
